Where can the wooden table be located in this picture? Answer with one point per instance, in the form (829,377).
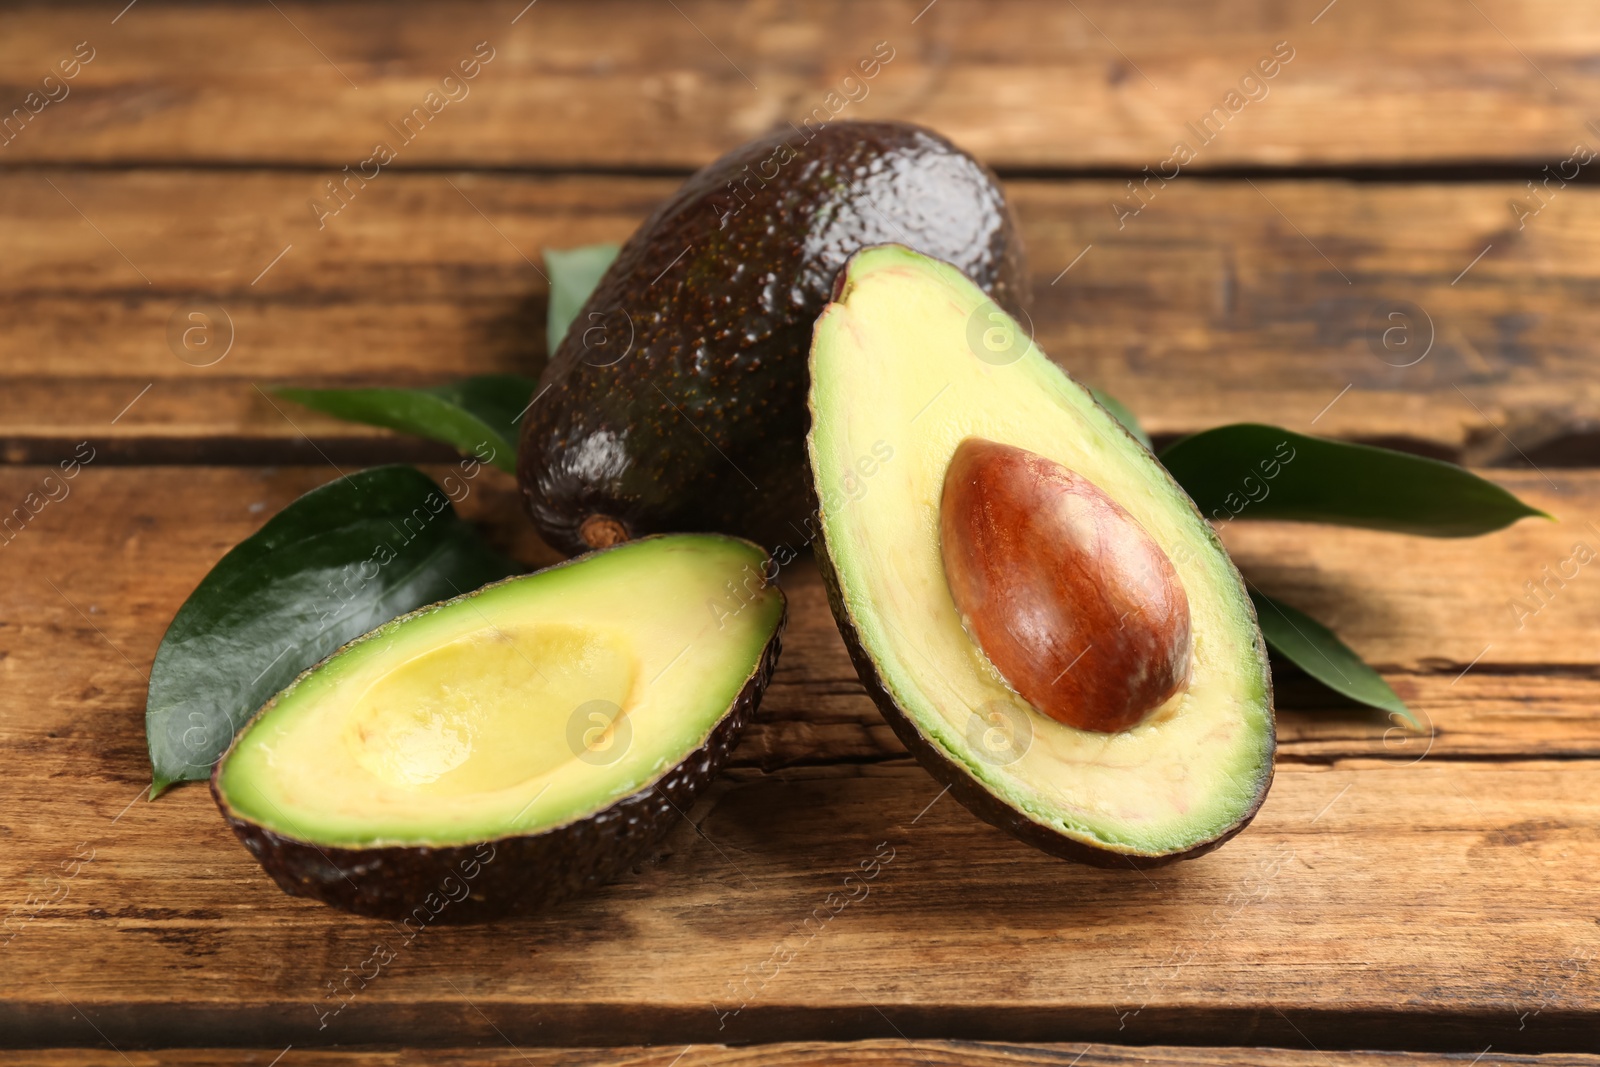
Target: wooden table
(1434,894)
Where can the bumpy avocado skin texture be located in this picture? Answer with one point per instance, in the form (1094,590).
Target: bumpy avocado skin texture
(942,765)
(514,874)
(700,425)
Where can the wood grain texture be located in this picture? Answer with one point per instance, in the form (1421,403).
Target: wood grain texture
(879,1053)
(1379,899)
(1439,906)
(1420,609)
(1399,890)
(1207,307)
(1023,83)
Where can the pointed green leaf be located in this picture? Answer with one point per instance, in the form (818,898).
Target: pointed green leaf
(478,416)
(1123,415)
(573,275)
(1315,649)
(1251,471)
(335,563)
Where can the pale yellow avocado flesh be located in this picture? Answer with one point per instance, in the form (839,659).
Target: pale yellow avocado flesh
(498,712)
(895,366)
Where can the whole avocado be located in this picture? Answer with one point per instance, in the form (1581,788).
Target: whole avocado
(676,401)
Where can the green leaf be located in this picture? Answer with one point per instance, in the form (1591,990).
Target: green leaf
(573,275)
(337,562)
(1251,471)
(1123,415)
(478,416)
(1315,649)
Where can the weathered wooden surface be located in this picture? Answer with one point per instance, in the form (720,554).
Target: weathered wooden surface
(878,1053)
(1399,890)
(1420,609)
(1207,307)
(1407,897)
(631,83)
(1427,906)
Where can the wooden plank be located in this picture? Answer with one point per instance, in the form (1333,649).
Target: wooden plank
(1421,610)
(1102,84)
(1435,906)
(1207,307)
(410,285)
(879,1053)
(1432,903)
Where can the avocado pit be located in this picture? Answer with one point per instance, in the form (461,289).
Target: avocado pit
(1071,599)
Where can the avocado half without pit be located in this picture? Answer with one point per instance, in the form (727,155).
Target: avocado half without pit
(502,750)
(1037,608)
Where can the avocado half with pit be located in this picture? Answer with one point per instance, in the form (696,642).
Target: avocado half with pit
(499,751)
(1037,608)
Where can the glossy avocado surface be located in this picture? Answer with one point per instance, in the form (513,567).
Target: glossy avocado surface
(677,399)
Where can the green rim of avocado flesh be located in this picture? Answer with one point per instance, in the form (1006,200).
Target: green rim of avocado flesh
(908,361)
(513,745)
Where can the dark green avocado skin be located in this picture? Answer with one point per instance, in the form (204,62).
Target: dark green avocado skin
(700,425)
(422,886)
(967,789)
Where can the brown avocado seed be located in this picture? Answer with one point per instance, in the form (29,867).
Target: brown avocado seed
(1073,602)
